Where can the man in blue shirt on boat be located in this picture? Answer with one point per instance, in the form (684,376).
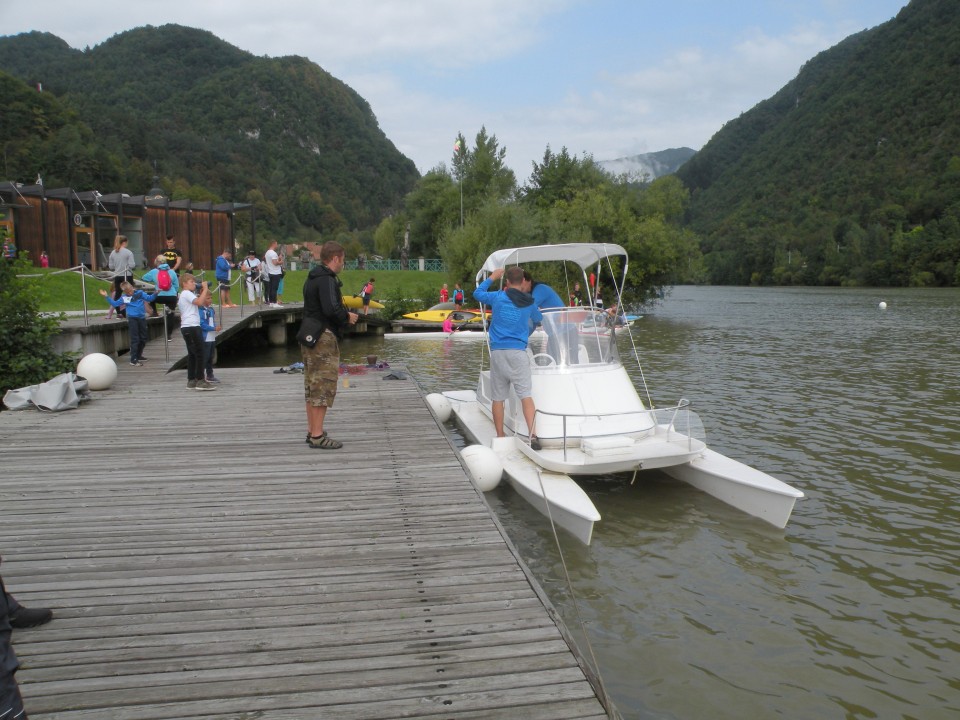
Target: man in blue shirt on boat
(562,343)
(514,315)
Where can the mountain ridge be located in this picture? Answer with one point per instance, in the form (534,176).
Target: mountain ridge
(849,173)
(219,123)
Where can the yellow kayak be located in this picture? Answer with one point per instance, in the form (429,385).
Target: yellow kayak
(438,313)
(352,302)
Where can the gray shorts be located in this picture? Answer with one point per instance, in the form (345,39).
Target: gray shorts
(509,367)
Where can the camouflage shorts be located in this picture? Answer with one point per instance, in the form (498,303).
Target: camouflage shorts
(321,367)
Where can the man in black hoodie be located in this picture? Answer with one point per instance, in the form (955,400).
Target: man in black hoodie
(324,319)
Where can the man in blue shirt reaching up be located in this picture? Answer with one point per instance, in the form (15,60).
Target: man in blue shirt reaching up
(514,316)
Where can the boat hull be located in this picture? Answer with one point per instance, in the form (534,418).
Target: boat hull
(745,488)
(474,334)
(543,478)
(555,495)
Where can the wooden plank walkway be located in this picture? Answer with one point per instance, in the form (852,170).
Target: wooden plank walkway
(202,562)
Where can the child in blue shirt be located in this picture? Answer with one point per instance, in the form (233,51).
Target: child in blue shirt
(209,327)
(135,303)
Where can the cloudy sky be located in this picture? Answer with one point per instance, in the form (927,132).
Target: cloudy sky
(608,77)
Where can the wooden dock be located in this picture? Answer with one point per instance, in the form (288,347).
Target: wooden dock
(203,562)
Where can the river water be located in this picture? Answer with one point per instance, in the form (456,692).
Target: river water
(695,610)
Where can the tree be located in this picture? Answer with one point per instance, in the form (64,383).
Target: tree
(560,177)
(433,210)
(495,225)
(487,176)
(386,238)
(26,354)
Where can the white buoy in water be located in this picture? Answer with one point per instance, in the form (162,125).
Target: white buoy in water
(440,406)
(100,370)
(483,465)
(882,305)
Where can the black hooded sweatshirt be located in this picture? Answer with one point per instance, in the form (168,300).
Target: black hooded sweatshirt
(323,301)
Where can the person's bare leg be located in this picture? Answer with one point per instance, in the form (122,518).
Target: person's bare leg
(315,417)
(496,407)
(529,414)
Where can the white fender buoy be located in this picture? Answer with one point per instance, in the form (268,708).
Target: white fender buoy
(440,406)
(100,370)
(882,305)
(483,465)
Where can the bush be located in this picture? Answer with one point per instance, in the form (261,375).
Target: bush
(26,354)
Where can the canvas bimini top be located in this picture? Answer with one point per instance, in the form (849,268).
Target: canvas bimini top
(584,255)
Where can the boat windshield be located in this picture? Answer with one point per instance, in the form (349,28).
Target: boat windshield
(575,336)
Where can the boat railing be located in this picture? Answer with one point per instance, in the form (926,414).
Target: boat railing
(678,422)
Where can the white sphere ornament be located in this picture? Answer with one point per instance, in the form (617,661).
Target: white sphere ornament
(440,406)
(882,305)
(100,370)
(483,465)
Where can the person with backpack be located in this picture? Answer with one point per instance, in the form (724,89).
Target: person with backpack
(458,296)
(253,267)
(168,287)
(365,295)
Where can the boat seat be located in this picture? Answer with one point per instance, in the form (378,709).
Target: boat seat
(607,445)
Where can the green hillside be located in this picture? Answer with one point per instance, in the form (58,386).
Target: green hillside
(851,173)
(217,122)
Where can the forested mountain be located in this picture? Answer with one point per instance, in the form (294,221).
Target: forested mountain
(849,174)
(215,121)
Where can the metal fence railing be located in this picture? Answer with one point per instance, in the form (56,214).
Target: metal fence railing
(416,264)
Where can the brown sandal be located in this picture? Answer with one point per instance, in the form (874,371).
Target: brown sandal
(324,442)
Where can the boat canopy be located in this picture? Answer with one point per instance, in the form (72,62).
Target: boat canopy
(584,255)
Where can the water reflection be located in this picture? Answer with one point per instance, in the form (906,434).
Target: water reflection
(696,610)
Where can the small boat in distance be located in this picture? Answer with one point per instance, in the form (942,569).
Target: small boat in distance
(590,420)
(439,312)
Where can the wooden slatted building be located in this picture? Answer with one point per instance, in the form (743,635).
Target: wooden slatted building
(77,228)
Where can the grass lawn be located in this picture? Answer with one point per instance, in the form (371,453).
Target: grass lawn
(401,291)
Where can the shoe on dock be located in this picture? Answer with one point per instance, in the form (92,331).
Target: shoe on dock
(28,618)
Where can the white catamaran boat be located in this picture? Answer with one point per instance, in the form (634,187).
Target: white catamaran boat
(590,419)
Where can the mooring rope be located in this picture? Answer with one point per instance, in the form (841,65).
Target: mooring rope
(604,698)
